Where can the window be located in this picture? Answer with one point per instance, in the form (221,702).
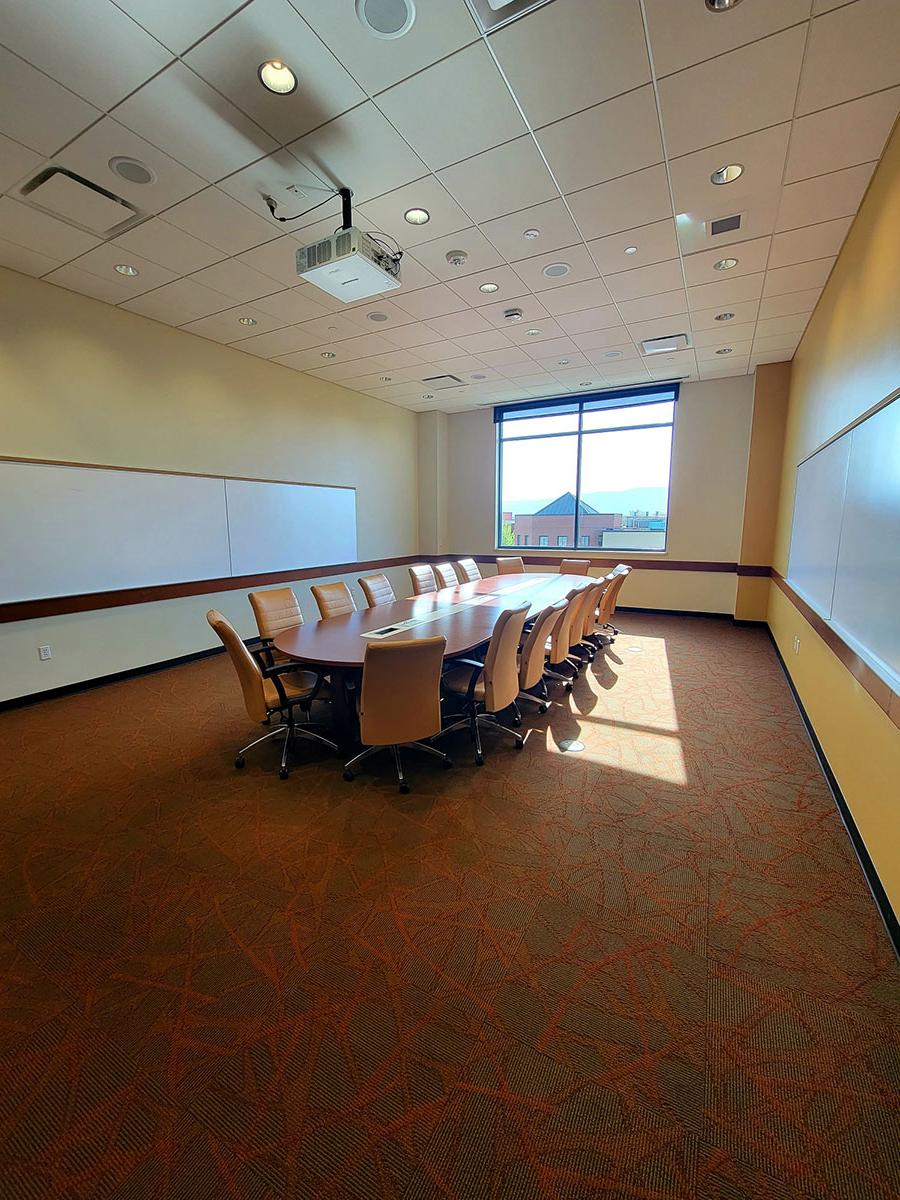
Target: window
(590,471)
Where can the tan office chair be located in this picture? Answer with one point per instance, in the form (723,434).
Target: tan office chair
(510,566)
(559,655)
(275,611)
(605,632)
(445,575)
(575,566)
(377,590)
(400,701)
(333,599)
(467,570)
(491,686)
(533,655)
(423,580)
(269,692)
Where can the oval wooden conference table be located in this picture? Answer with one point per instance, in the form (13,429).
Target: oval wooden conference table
(464,615)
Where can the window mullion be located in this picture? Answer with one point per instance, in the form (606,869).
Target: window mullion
(578,477)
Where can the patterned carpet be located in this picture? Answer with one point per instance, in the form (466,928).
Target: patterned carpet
(647,970)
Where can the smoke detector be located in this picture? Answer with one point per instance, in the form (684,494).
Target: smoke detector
(457,258)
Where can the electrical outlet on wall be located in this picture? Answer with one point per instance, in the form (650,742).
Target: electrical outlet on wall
(44,653)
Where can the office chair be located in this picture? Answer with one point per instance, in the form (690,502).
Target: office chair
(604,631)
(400,701)
(333,599)
(575,566)
(467,570)
(533,655)
(559,656)
(275,611)
(510,566)
(269,692)
(423,580)
(445,575)
(491,686)
(377,590)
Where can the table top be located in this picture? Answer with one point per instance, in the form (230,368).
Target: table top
(464,615)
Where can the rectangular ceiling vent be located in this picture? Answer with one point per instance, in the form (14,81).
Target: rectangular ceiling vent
(77,201)
(665,345)
(724,225)
(440,383)
(491,14)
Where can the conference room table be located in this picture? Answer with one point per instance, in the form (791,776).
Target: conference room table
(464,615)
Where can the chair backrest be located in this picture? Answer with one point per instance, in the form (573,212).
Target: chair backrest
(445,575)
(575,566)
(582,608)
(591,606)
(400,696)
(611,595)
(501,660)
(333,599)
(510,565)
(422,578)
(534,649)
(560,634)
(467,570)
(377,589)
(248,671)
(275,611)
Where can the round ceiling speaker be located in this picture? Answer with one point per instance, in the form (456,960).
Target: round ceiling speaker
(556,270)
(386,19)
(131,170)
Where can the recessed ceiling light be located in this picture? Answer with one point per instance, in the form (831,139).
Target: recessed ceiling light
(428,395)
(563,362)
(532,333)
(531,234)
(246,320)
(725,264)
(479,377)
(724,316)
(727,174)
(613,354)
(556,270)
(585,383)
(127,269)
(631,249)
(276,77)
(131,169)
(378,317)
(385,378)
(719,6)
(489,288)
(417,216)
(725,350)
(386,19)
(328,354)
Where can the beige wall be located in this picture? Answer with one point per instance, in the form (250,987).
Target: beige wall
(83,382)
(432,498)
(847,361)
(709,470)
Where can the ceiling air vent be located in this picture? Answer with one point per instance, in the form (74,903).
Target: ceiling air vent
(78,202)
(725,225)
(665,345)
(442,382)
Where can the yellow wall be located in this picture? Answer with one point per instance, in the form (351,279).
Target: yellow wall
(83,382)
(847,361)
(706,501)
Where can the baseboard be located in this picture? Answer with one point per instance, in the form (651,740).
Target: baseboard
(744,623)
(674,612)
(86,685)
(870,874)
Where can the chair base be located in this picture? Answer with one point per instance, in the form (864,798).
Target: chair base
(403,786)
(474,722)
(289,730)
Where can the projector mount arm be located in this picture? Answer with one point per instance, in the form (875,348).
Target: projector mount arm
(346,211)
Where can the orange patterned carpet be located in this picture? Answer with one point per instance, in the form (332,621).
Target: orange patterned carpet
(648,970)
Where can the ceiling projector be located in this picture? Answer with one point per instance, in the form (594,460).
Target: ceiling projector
(349,265)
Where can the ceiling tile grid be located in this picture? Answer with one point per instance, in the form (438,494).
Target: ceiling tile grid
(573,210)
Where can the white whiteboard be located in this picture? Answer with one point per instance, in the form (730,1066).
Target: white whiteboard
(69,530)
(277,526)
(816,535)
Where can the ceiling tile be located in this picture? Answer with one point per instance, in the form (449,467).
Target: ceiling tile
(481,254)
(710,354)
(179,302)
(797,278)
(554,349)
(637,199)
(506,280)
(590,320)
(552,221)
(683,32)
(418,333)
(52,115)
(592,293)
(279,341)
(90,47)
(237,281)
(75,279)
(102,261)
(219,220)
(348,350)
(277,259)
(508,177)
(430,302)
(646,281)
(482,113)
(578,35)
(378,316)
(26,226)
(523,336)
(297,191)
(438,30)
(655,243)
(298,303)
(29,262)
(182,115)
(359,150)
(843,136)
(724,334)
(789,304)
(16,161)
(753,87)
(533,271)
(90,154)
(751,257)
(331,328)
(177,24)
(726,292)
(780,342)
(229,58)
(612,139)
(778,326)
(226,326)
(505,357)
(648,308)
(824,198)
(815,241)
(531,307)
(852,51)
(387,212)
(744,311)
(455,325)
(659,327)
(170,247)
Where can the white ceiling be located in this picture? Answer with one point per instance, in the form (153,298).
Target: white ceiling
(597,122)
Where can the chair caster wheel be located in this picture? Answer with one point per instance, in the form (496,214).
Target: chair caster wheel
(517,723)
(240,762)
(520,745)
(479,760)
(404,788)
(542,708)
(568,687)
(283,773)
(447,764)
(349,776)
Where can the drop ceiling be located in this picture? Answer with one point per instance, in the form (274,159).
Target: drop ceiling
(595,122)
